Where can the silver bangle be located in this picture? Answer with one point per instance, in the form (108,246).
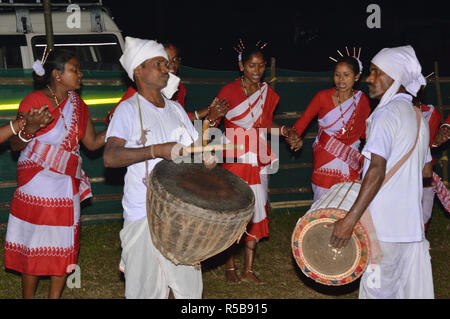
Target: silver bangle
(23,140)
(12,128)
(196,115)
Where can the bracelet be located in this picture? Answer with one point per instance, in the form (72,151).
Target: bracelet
(21,119)
(211,123)
(196,115)
(151,151)
(12,127)
(23,139)
(26,134)
(281,131)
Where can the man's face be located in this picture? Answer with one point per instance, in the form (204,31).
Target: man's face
(379,82)
(174,59)
(153,73)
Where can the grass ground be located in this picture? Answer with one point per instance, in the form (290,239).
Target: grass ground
(100,254)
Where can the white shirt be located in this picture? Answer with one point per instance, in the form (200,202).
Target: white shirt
(162,125)
(391,132)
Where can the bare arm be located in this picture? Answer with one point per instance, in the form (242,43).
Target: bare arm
(91,139)
(371,184)
(6,131)
(427,171)
(117,155)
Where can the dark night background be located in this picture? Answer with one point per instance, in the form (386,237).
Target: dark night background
(301,34)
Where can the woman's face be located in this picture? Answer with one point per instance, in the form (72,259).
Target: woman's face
(71,77)
(253,68)
(344,77)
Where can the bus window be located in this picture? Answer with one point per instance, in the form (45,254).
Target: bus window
(94,51)
(10,53)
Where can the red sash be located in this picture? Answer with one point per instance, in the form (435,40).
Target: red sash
(350,156)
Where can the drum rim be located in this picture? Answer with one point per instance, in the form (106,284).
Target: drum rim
(359,236)
(155,182)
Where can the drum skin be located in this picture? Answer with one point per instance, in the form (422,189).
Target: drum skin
(311,237)
(195,213)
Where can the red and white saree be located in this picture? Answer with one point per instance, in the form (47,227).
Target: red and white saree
(43,228)
(247,122)
(335,150)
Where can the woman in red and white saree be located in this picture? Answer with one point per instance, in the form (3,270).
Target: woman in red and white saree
(43,231)
(248,120)
(342,114)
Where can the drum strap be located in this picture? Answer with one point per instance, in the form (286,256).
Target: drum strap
(366,218)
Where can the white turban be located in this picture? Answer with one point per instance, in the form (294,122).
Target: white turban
(402,66)
(140,50)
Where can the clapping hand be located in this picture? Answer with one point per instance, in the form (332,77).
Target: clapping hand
(38,118)
(217,109)
(442,136)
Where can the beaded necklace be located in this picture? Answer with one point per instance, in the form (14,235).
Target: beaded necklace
(352,120)
(257,125)
(63,118)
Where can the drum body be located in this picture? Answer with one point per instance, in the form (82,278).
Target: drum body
(311,237)
(195,213)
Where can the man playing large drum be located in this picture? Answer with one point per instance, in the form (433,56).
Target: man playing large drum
(397,137)
(144,130)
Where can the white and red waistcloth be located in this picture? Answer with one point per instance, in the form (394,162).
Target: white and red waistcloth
(44,222)
(336,157)
(247,122)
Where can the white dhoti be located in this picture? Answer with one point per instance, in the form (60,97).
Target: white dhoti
(148,274)
(403,273)
(427,203)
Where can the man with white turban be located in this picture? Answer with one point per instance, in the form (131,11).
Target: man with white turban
(146,128)
(397,137)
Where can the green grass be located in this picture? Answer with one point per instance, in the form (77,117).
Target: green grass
(100,255)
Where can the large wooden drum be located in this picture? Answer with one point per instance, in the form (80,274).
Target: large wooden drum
(194,212)
(311,239)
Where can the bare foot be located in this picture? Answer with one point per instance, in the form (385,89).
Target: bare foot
(231,276)
(249,276)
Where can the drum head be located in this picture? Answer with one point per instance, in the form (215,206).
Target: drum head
(318,259)
(213,189)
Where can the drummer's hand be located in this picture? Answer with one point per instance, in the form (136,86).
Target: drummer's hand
(342,231)
(169,151)
(209,160)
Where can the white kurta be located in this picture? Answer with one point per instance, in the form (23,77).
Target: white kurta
(148,274)
(405,269)
(397,208)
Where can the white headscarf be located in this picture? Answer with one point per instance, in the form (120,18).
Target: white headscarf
(402,66)
(140,50)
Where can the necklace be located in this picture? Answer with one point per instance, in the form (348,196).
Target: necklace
(257,125)
(64,120)
(352,120)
